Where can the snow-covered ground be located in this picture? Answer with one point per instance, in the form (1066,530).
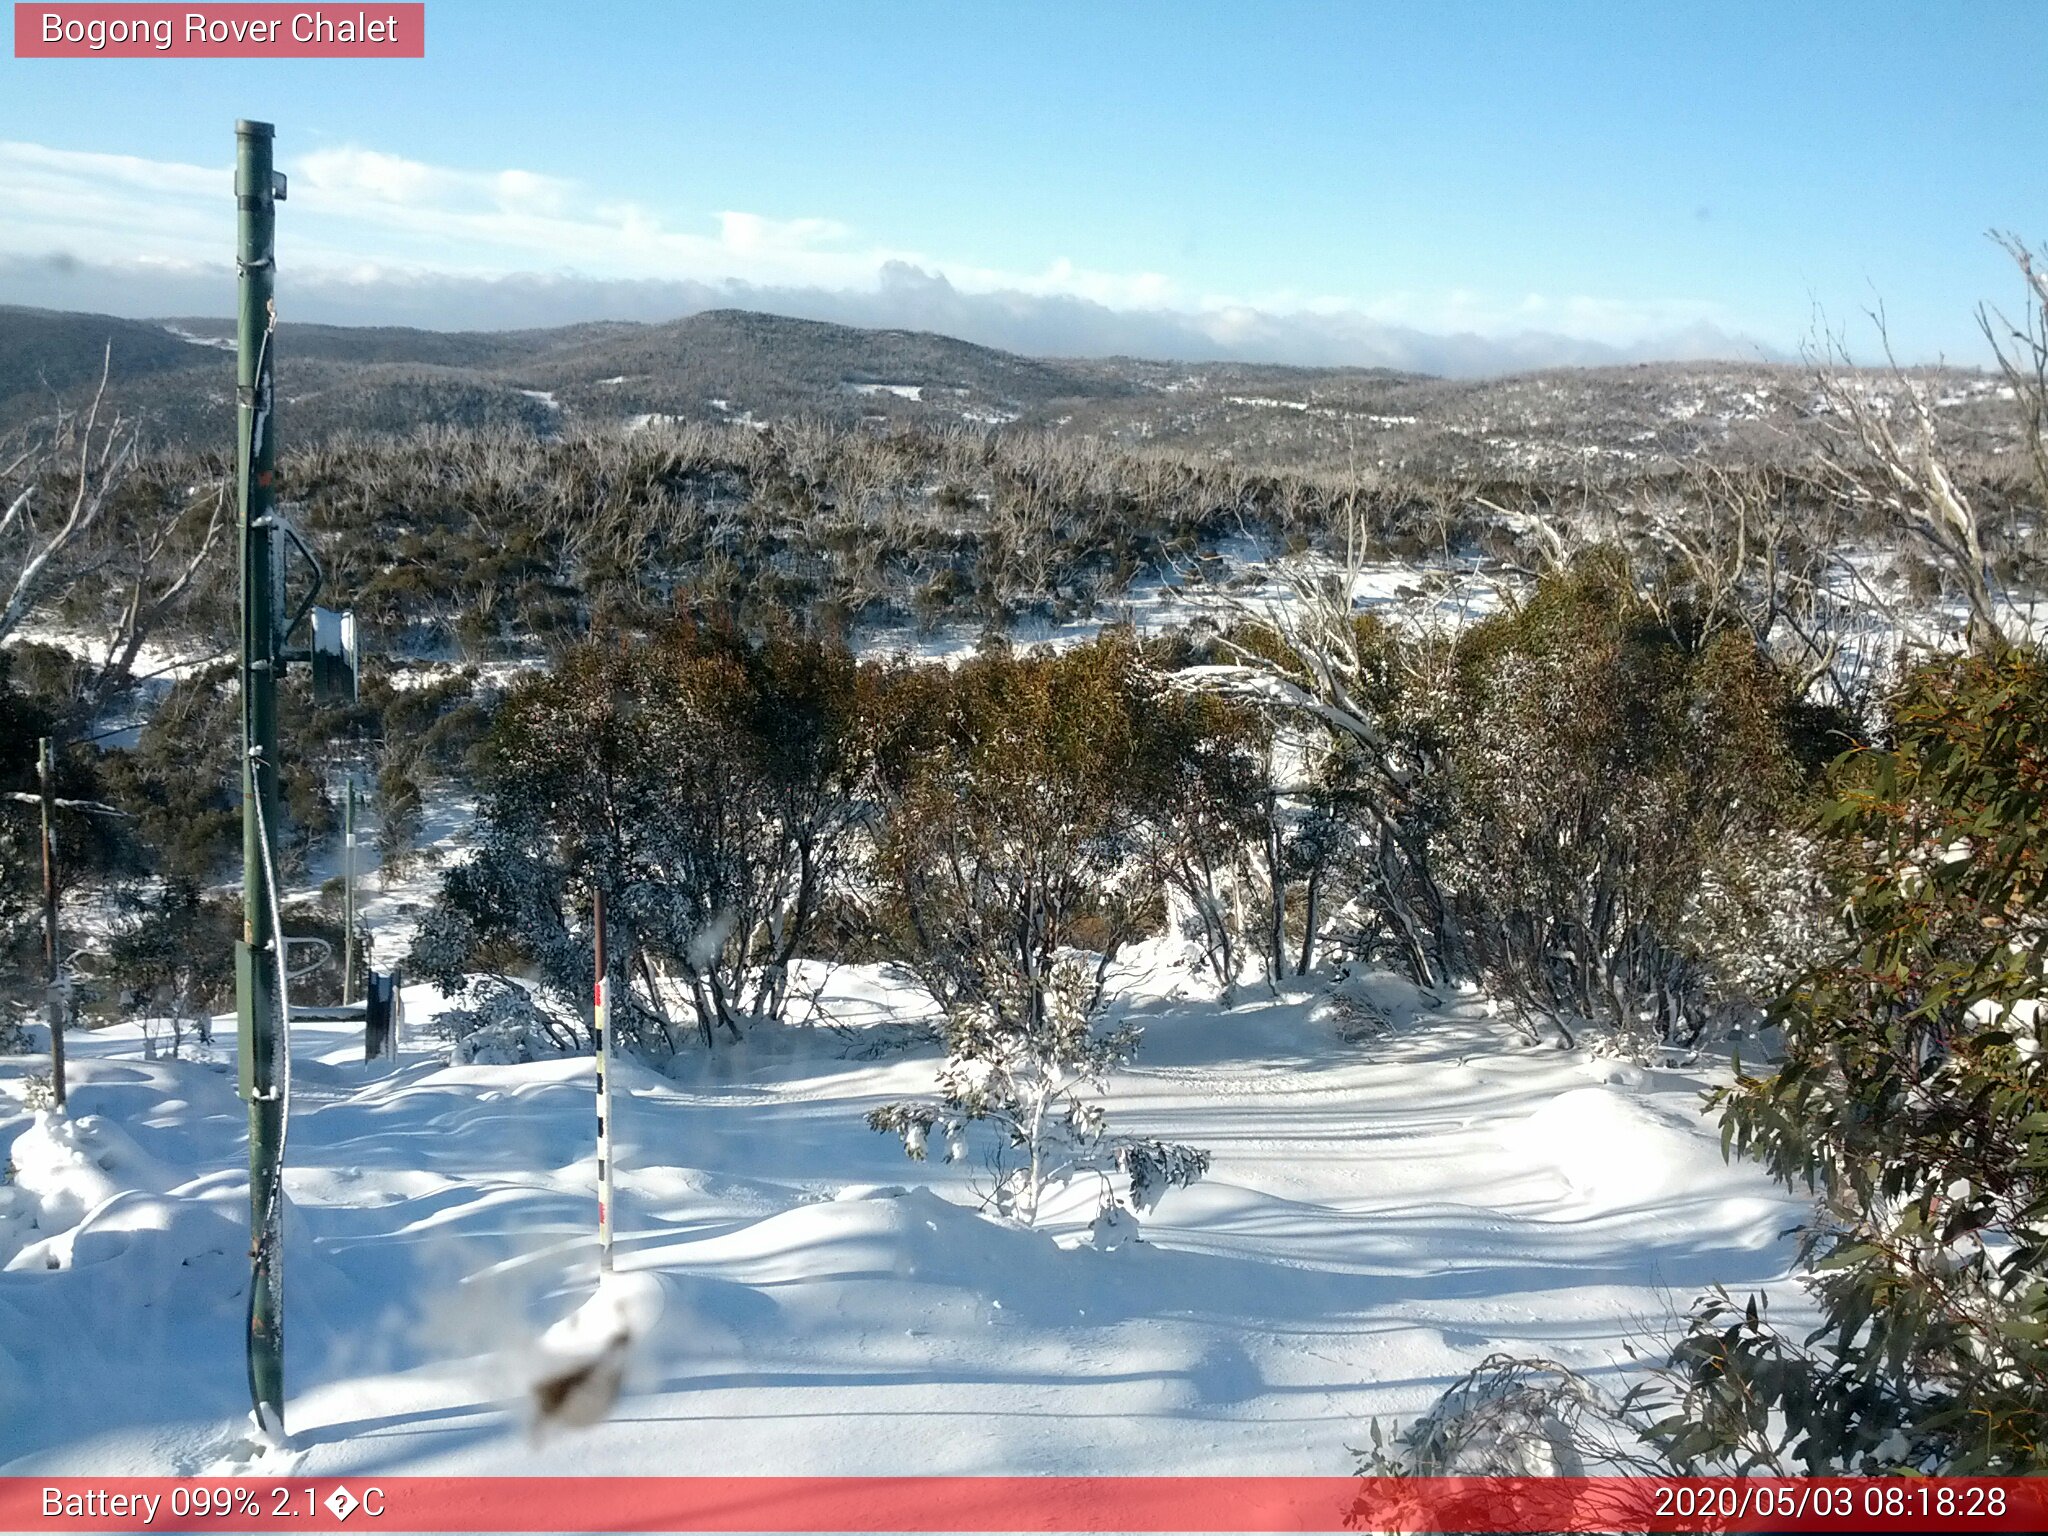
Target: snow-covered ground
(1239,580)
(1380,1214)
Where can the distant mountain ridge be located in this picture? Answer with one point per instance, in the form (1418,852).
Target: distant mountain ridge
(750,368)
(46,351)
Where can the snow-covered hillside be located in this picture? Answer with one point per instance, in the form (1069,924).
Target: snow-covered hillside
(1381,1213)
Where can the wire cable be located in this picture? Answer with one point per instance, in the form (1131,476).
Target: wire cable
(266,1244)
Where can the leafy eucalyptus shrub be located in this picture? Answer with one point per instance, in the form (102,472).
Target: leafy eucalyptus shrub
(1913,1098)
(1624,789)
(1016,794)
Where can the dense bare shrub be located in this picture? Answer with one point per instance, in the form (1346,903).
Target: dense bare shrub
(707,784)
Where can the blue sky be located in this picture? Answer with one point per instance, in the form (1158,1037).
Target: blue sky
(1268,176)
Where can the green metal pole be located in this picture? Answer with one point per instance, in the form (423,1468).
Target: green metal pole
(255,469)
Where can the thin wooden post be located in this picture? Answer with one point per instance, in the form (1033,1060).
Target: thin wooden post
(348,891)
(53,968)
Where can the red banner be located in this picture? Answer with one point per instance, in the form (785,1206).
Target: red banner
(101,31)
(987,1504)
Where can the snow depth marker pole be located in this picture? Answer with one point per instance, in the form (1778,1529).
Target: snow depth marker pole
(46,783)
(602,998)
(257,187)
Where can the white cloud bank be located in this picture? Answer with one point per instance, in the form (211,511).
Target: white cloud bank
(375,238)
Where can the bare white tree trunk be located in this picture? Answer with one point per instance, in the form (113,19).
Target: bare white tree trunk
(98,458)
(1889,457)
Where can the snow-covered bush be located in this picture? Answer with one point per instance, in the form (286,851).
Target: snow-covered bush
(1512,1417)
(1352,1013)
(1027,1071)
(501,1026)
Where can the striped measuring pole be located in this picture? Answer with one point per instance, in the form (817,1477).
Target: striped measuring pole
(603,1001)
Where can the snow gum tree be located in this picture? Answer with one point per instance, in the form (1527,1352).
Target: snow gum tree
(1266,813)
(1357,702)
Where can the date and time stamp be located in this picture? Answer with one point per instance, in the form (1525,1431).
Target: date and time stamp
(1867,1502)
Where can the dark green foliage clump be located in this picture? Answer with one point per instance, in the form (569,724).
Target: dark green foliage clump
(95,849)
(1913,1096)
(177,958)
